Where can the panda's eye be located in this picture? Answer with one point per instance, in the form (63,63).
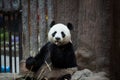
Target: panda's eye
(53,34)
(63,34)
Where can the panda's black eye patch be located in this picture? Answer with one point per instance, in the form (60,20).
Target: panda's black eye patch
(63,34)
(53,34)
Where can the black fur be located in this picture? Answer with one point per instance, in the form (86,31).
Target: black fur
(65,77)
(52,23)
(61,57)
(70,26)
(34,63)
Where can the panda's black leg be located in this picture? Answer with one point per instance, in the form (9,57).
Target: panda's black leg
(65,77)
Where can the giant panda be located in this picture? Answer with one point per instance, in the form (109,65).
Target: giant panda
(61,51)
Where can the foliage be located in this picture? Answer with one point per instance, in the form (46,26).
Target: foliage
(2,34)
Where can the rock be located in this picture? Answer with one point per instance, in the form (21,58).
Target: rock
(86,74)
(94,78)
(85,57)
(80,74)
(23,69)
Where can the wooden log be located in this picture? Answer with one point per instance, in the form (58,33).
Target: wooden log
(33,28)
(42,36)
(25,25)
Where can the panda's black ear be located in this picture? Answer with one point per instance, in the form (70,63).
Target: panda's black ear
(52,23)
(70,26)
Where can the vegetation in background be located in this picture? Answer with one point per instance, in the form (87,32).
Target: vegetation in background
(2,33)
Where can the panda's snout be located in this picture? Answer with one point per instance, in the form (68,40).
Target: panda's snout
(57,38)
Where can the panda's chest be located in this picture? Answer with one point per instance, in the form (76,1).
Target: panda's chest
(59,52)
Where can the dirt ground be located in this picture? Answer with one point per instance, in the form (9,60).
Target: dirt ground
(9,76)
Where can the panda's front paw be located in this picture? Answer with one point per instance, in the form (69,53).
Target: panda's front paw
(65,77)
(30,62)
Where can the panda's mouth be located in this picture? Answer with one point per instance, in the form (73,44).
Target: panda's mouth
(57,42)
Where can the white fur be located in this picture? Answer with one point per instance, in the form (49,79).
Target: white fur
(59,28)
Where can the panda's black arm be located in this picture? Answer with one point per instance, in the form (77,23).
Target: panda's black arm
(39,59)
(41,56)
(71,58)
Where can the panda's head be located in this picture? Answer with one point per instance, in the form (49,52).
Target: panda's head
(59,34)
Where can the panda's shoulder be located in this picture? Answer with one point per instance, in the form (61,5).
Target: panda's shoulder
(70,44)
(49,45)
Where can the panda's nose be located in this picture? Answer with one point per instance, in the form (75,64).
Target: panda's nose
(57,38)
